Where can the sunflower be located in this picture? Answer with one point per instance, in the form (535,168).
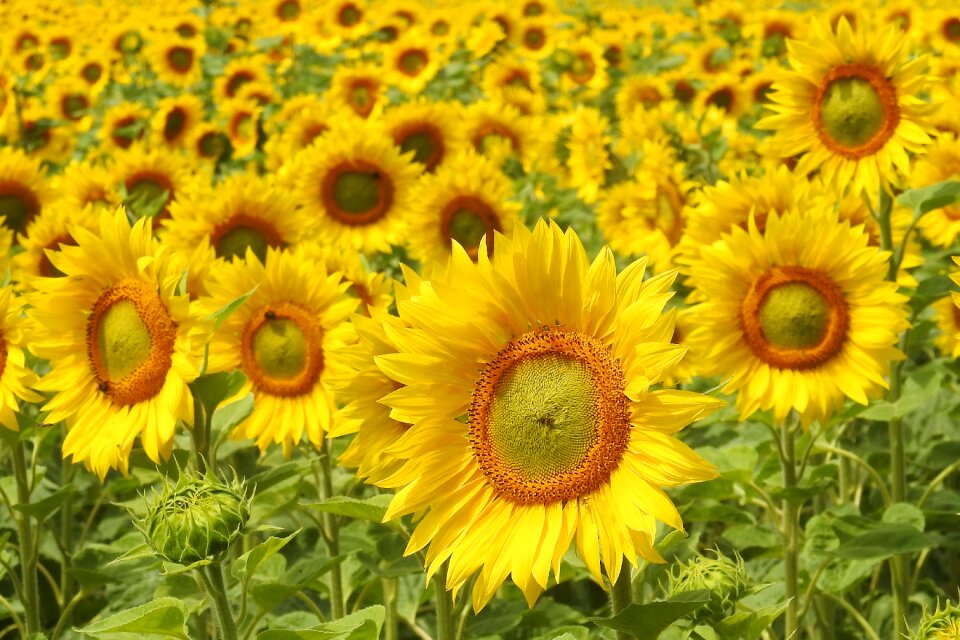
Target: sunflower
(242,124)
(208,143)
(498,131)
(284,338)
(588,147)
(176,60)
(730,203)
(301,129)
(72,102)
(176,118)
(425,128)
(87,183)
(359,88)
(24,189)
(122,344)
(531,413)
(724,91)
(47,231)
(510,70)
(356,187)
(798,317)
(467,199)
(941,162)
(947,317)
(150,181)
(850,106)
(123,125)
(372,289)
(638,94)
(586,73)
(34,133)
(628,216)
(238,72)
(535,37)
(16,378)
(92,68)
(411,62)
(242,212)
(347,18)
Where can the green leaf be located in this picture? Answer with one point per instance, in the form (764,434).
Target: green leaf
(362,625)
(904,513)
(226,418)
(649,620)
(884,541)
(918,390)
(246,565)
(165,617)
(371,509)
(926,199)
(220,315)
(749,626)
(747,536)
(214,388)
(43,509)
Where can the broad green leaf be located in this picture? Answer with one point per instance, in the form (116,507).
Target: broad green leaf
(566,633)
(748,536)
(43,509)
(884,541)
(904,513)
(749,626)
(164,617)
(214,388)
(926,199)
(649,620)
(362,625)
(246,565)
(372,509)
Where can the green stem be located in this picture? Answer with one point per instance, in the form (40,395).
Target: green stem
(390,626)
(788,527)
(28,557)
(66,535)
(621,595)
(332,536)
(446,624)
(201,436)
(216,587)
(898,469)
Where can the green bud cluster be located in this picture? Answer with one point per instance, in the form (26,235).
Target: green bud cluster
(725,579)
(196,519)
(940,624)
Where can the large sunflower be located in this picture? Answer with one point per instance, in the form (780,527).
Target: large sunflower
(468,198)
(850,106)
(284,338)
(533,421)
(942,162)
(799,316)
(122,344)
(357,187)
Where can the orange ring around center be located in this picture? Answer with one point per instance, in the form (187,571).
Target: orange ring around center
(312,329)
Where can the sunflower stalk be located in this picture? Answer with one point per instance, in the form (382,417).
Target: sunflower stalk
(446,620)
(212,577)
(200,434)
(28,557)
(332,534)
(789,526)
(621,595)
(899,575)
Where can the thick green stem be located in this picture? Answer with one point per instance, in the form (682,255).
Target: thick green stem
(390,626)
(898,468)
(788,526)
(28,556)
(332,536)
(201,436)
(66,535)
(446,622)
(621,595)
(217,589)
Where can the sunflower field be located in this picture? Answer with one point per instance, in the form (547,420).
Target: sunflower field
(479,320)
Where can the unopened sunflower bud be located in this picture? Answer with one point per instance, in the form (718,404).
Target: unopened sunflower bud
(940,624)
(725,579)
(196,519)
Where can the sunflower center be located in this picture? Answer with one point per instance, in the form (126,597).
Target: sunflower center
(549,421)
(413,61)
(951,29)
(92,72)
(426,143)
(74,105)
(232,238)
(148,195)
(289,10)
(349,15)
(130,342)
(18,206)
(282,349)
(173,124)
(212,145)
(357,193)
(534,38)
(181,59)
(852,111)
(467,219)
(856,110)
(794,318)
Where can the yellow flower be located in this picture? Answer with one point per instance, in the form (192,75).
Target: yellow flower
(526,380)
(357,187)
(15,377)
(122,344)
(798,317)
(46,232)
(176,118)
(941,162)
(23,188)
(850,106)
(425,128)
(285,339)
